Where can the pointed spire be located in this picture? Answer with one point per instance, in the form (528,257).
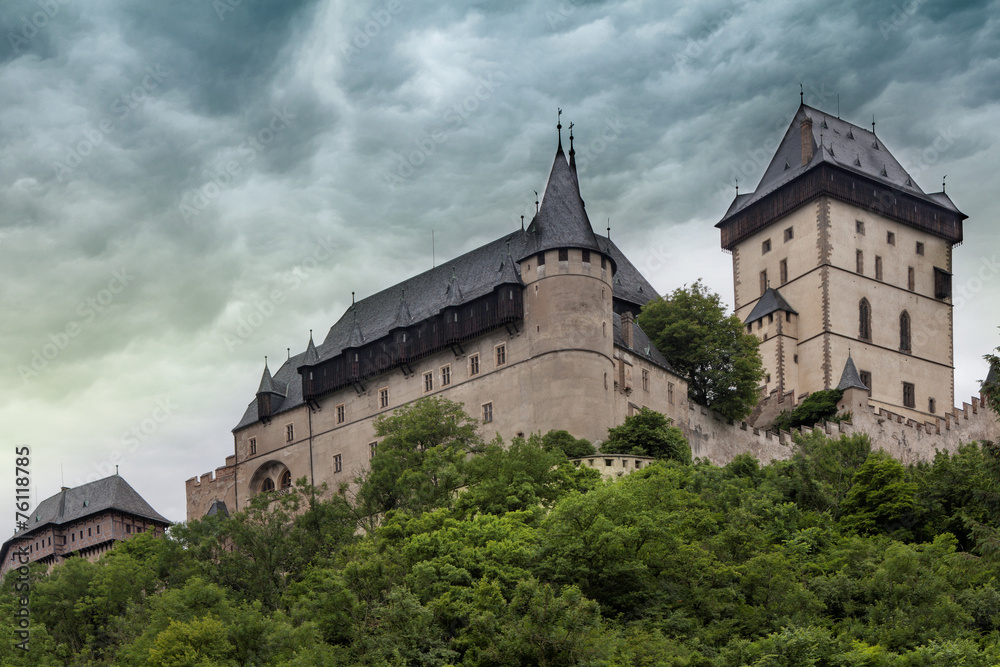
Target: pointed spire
(850,378)
(453,290)
(357,339)
(572,151)
(403,317)
(266,381)
(801,95)
(508,269)
(312,355)
(559,128)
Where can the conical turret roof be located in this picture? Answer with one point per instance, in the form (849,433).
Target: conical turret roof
(312,355)
(561,221)
(266,381)
(850,378)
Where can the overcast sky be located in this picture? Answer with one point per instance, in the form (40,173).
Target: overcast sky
(188,186)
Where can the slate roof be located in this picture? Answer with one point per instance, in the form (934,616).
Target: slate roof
(460,280)
(641,345)
(769,302)
(110,493)
(837,142)
(850,378)
(217,507)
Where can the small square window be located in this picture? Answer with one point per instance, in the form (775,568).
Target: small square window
(474,364)
(789,234)
(253,446)
(383,397)
(487,413)
(289,432)
(859,227)
(608,462)
(909,395)
(890,238)
(445,376)
(563,255)
(501,354)
(765,247)
(341,413)
(429,381)
(338,463)
(920,248)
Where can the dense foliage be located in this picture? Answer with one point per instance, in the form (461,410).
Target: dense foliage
(710,349)
(816,407)
(648,433)
(836,556)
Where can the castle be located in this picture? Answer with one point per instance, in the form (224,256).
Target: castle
(838,255)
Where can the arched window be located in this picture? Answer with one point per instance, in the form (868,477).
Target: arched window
(267,485)
(286,479)
(865,320)
(904,331)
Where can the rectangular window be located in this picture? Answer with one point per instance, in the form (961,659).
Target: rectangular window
(88,532)
(763,281)
(789,234)
(586,257)
(866,380)
(783,271)
(445,376)
(128,529)
(930,405)
(563,255)
(859,227)
(645,380)
(98,532)
(878,268)
(860,259)
(341,413)
(670,393)
(372,446)
(890,238)
(911,280)
(429,381)
(487,413)
(289,432)
(920,248)
(474,365)
(253,446)
(338,463)
(909,395)
(541,259)
(765,247)
(604,262)
(383,397)
(501,354)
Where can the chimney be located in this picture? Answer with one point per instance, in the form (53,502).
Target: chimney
(627,320)
(807,140)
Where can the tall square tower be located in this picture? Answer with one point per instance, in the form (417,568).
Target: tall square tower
(838,253)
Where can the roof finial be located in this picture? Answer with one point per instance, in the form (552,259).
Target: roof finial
(559,126)
(352,298)
(609,228)
(571,151)
(116,468)
(265,361)
(522,223)
(536,200)
(801,95)
(873,123)
(288,350)
(942,183)
(737,187)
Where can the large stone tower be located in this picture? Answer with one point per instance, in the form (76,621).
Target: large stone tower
(839,252)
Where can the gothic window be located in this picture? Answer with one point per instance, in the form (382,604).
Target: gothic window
(904,331)
(286,479)
(267,485)
(864,320)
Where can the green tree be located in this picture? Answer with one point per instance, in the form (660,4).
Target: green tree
(880,499)
(570,446)
(648,433)
(990,387)
(420,457)
(708,348)
(818,406)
